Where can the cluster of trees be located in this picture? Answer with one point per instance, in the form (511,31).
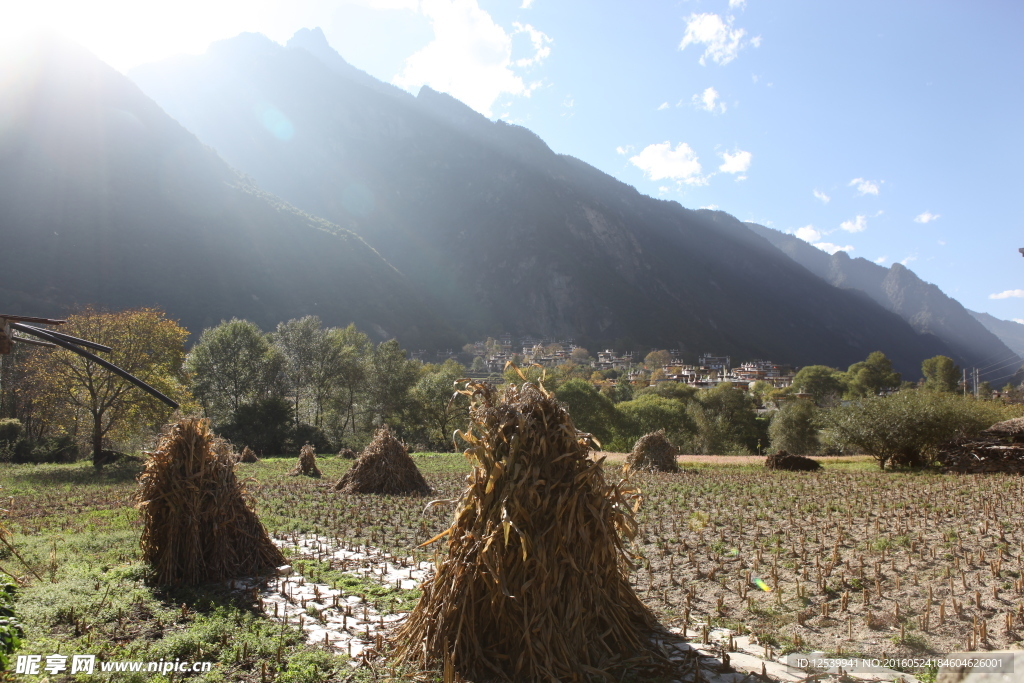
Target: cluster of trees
(303,382)
(331,387)
(272,391)
(54,402)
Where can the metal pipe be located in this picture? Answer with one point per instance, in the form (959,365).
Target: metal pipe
(93,357)
(66,337)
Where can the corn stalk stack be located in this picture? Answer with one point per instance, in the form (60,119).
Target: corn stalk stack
(385,467)
(307,463)
(534,584)
(653,452)
(199,522)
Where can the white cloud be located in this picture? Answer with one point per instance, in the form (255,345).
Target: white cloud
(526,4)
(926,217)
(808,233)
(470,56)
(624,149)
(708,101)
(662,106)
(822,196)
(538,40)
(907,260)
(660,161)
(756,41)
(735,163)
(881,259)
(864,186)
(1008,294)
(722,42)
(711,207)
(1018,320)
(832,248)
(858,224)
(733,4)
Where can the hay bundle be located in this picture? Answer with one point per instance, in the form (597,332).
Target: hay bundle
(224,448)
(791,463)
(199,524)
(653,452)
(307,463)
(347,454)
(383,467)
(247,455)
(534,585)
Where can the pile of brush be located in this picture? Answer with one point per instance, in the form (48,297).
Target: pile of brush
(791,463)
(307,463)
(980,455)
(347,454)
(247,455)
(384,466)
(534,585)
(653,452)
(199,523)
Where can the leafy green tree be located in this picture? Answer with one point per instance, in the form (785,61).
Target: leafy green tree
(354,348)
(479,364)
(298,340)
(591,411)
(231,365)
(940,374)
(145,343)
(677,390)
(726,421)
(657,359)
(793,428)
(649,413)
(581,356)
(872,376)
(439,407)
(389,377)
(825,385)
(265,425)
(903,429)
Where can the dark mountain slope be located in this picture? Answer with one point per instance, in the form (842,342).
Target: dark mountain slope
(900,290)
(105,199)
(501,233)
(1009,332)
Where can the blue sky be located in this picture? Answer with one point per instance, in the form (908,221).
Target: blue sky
(890,128)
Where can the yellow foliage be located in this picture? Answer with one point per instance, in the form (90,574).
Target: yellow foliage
(80,397)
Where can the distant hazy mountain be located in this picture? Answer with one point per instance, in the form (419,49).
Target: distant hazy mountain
(500,233)
(921,304)
(105,199)
(1009,332)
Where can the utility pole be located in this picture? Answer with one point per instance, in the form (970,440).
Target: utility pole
(975,382)
(965,381)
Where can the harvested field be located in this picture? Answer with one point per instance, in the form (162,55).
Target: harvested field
(701,531)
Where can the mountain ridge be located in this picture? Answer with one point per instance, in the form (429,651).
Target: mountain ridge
(923,305)
(501,234)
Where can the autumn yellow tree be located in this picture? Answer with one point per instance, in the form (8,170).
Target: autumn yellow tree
(144,342)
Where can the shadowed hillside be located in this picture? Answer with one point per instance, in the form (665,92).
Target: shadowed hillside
(106,199)
(502,234)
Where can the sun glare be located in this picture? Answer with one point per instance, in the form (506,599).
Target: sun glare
(127,33)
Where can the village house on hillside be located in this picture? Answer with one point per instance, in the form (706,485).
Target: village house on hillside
(709,371)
